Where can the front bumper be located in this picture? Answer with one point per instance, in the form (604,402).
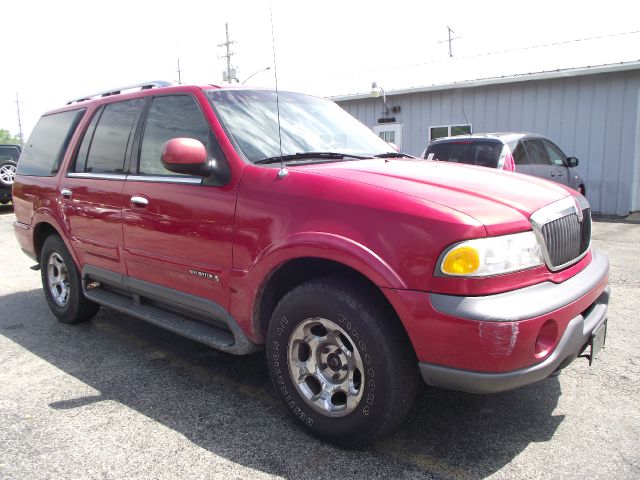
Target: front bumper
(587,291)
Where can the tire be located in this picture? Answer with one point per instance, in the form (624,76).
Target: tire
(62,283)
(582,190)
(359,352)
(7,173)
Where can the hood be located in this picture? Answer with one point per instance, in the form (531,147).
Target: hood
(492,197)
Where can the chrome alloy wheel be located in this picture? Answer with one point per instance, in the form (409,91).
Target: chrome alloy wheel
(7,174)
(326,367)
(58,279)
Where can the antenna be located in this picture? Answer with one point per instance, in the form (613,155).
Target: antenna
(283,171)
(179,73)
(465,117)
(19,120)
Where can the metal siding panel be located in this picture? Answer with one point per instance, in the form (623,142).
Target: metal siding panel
(627,141)
(569,117)
(612,185)
(555,106)
(596,144)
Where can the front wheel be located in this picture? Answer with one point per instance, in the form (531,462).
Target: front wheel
(340,361)
(7,173)
(62,283)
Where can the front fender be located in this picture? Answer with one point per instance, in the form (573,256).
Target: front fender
(246,285)
(333,247)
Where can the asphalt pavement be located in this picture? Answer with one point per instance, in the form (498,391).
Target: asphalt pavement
(118,398)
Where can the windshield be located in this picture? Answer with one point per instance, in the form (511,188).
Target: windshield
(307,124)
(484,153)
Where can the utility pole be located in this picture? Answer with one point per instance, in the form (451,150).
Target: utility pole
(179,73)
(230,75)
(19,120)
(451,39)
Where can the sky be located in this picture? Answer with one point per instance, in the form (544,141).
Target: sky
(57,51)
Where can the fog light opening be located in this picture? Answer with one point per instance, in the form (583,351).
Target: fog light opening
(547,339)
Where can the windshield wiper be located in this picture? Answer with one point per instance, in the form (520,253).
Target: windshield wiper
(392,155)
(306,155)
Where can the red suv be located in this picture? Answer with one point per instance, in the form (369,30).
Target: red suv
(244,219)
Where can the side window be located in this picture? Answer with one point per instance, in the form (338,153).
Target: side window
(519,154)
(537,153)
(48,143)
(171,117)
(555,154)
(106,150)
(9,153)
(81,157)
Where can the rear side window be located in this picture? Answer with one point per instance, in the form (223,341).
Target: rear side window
(103,149)
(537,153)
(484,154)
(48,143)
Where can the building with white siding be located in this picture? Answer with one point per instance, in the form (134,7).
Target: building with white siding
(592,113)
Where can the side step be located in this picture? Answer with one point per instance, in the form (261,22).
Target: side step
(172,310)
(187,328)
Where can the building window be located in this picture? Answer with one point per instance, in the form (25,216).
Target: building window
(390,133)
(448,131)
(388,136)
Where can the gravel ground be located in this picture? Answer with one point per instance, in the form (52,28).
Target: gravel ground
(118,398)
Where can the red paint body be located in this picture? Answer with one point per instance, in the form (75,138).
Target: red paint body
(389,219)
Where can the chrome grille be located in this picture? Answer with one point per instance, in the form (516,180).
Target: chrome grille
(567,238)
(563,235)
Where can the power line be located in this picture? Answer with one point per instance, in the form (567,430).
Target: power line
(496,52)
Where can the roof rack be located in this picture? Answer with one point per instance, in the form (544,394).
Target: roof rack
(116,91)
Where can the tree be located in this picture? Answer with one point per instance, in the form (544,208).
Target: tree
(7,137)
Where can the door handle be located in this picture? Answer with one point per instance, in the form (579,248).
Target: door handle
(139,201)
(66,192)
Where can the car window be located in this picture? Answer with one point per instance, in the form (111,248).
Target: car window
(9,153)
(48,143)
(536,152)
(481,153)
(170,117)
(555,154)
(519,153)
(111,137)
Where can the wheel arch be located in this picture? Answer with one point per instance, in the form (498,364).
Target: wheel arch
(296,271)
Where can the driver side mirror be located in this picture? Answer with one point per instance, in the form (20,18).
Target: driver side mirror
(187,156)
(572,161)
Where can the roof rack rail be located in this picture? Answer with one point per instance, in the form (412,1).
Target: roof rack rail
(116,91)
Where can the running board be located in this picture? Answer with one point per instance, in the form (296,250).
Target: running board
(131,299)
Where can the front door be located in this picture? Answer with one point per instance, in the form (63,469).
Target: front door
(559,170)
(178,230)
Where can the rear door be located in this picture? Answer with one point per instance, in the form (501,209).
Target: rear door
(178,229)
(91,193)
(539,164)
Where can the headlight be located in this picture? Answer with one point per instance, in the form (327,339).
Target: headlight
(491,256)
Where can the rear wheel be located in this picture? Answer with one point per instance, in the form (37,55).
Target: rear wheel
(340,361)
(582,190)
(62,283)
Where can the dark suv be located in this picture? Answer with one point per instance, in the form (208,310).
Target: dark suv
(9,155)
(248,219)
(527,153)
